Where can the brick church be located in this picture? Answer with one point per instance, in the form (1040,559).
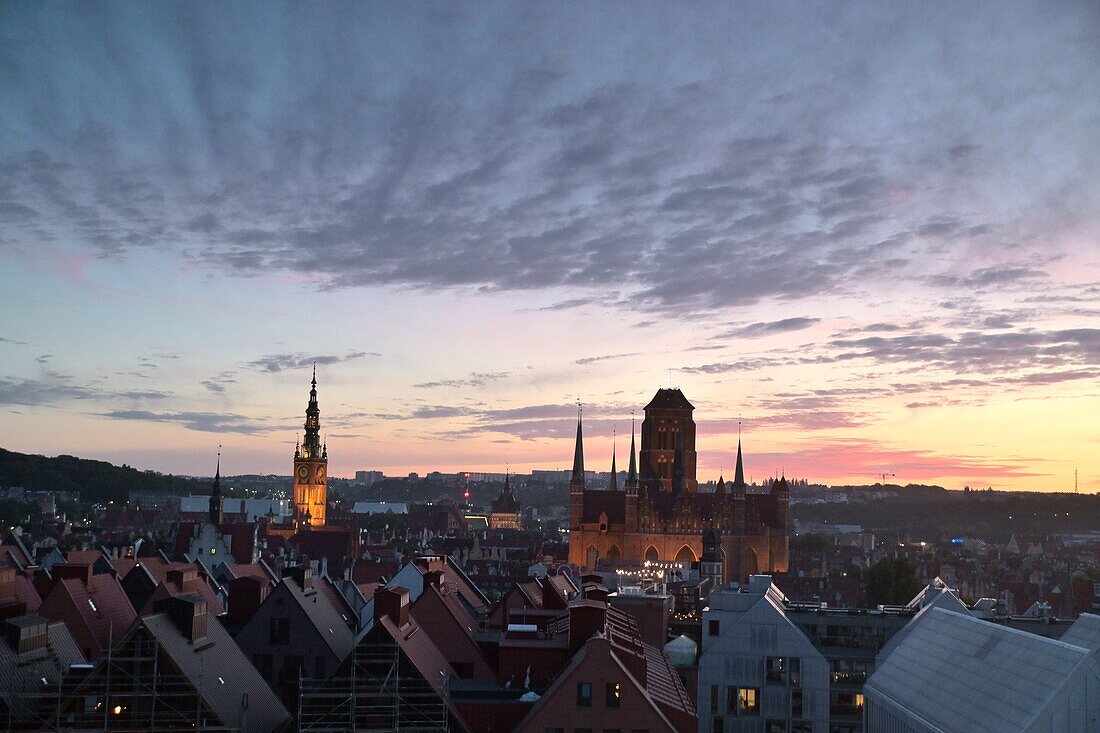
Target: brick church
(661,515)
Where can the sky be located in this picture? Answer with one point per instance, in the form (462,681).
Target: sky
(867,232)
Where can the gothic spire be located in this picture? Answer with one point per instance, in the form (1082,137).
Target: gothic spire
(739,472)
(216,494)
(311,446)
(577,478)
(632,471)
(614,472)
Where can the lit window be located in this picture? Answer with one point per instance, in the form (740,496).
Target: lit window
(614,694)
(584,694)
(749,700)
(213,550)
(859,700)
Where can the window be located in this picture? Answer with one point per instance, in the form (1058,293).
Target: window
(714,698)
(794,676)
(263,664)
(731,700)
(712,627)
(292,668)
(775,726)
(718,725)
(802,726)
(749,701)
(584,694)
(279,631)
(775,670)
(796,703)
(612,694)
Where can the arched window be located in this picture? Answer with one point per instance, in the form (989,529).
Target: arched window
(686,554)
(651,554)
(613,553)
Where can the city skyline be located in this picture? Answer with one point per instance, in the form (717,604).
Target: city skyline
(868,233)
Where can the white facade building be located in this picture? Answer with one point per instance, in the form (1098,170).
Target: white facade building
(758,673)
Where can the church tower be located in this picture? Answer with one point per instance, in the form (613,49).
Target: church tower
(311,468)
(668,439)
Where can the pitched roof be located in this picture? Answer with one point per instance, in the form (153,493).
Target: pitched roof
(956,672)
(671,398)
(1085,632)
(219,658)
(96,610)
(26,675)
(328,621)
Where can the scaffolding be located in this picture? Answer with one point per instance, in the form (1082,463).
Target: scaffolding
(378,690)
(134,688)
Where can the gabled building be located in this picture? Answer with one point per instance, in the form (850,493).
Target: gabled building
(294,633)
(757,669)
(613,680)
(176,669)
(95,608)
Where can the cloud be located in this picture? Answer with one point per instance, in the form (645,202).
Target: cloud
(769,328)
(475,379)
(58,388)
(719,182)
(283,362)
(206,422)
(595,359)
(219,382)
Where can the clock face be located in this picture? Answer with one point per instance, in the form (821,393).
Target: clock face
(320,473)
(303,472)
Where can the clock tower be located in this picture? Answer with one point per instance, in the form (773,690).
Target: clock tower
(311,468)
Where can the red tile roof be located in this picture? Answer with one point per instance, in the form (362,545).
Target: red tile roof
(95,609)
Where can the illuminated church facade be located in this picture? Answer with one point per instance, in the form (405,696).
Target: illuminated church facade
(660,514)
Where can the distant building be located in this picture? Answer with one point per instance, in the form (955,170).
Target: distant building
(370,478)
(506,510)
(661,515)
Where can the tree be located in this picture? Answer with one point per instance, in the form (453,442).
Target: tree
(891,582)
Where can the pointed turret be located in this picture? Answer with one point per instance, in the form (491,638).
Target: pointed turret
(577,479)
(739,472)
(216,494)
(632,470)
(720,489)
(614,486)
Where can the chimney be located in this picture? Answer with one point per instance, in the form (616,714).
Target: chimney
(72,571)
(183,578)
(246,595)
(392,602)
(302,575)
(434,578)
(585,619)
(188,612)
(27,633)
